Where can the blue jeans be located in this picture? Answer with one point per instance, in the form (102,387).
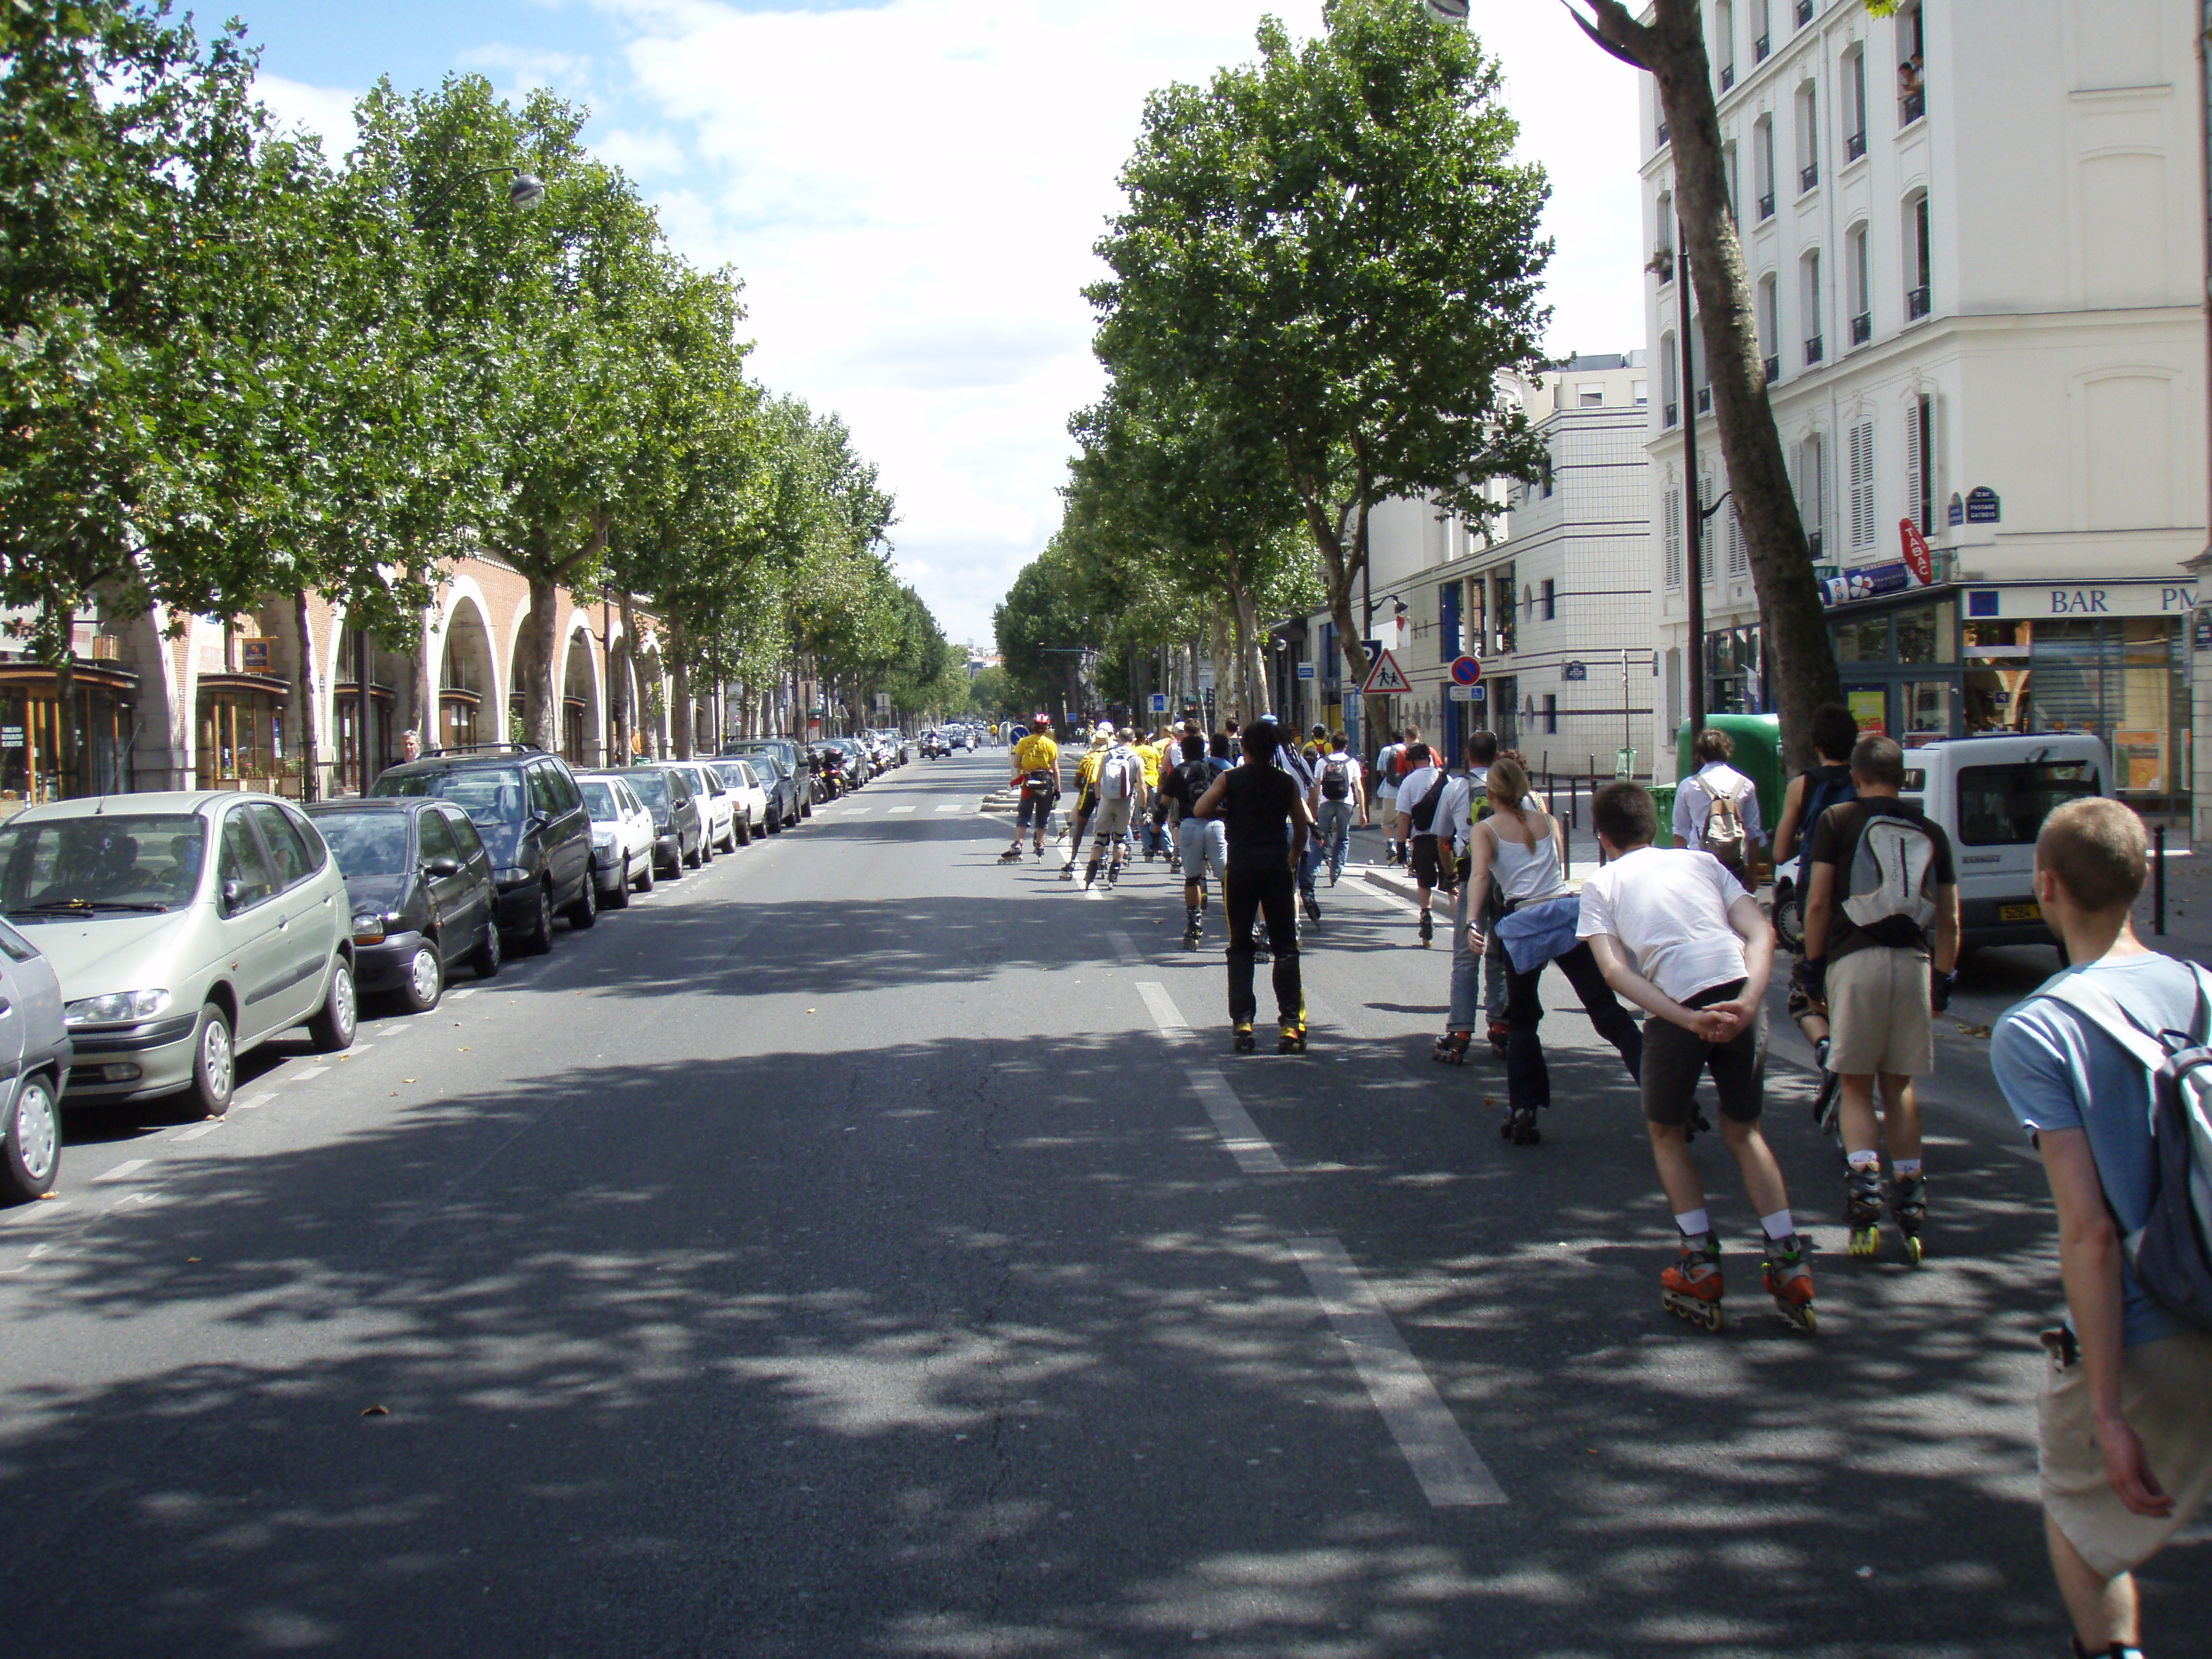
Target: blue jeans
(1332,830)
(1309,865)
(1470,996)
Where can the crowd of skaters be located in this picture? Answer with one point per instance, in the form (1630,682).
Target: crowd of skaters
(2125,1413)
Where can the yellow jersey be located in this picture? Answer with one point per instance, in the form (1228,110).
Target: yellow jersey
(1036,753)
(1150,757)
(1086,769)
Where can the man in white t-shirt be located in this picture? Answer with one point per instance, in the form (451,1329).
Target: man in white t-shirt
(1386,795)
(1674,934)
(1715,780)
(1425,828)
(1339,800)
(1120,790)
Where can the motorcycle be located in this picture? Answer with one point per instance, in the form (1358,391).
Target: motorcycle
(829,776)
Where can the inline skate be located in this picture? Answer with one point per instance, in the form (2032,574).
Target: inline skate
(1428,930)
(1908,1207)
(1519,1125)
(1790,1282)
(1451,1047)
(1691,1288)
(1193,930)
(1241,1039)
(1863,1209)
(1290,1039)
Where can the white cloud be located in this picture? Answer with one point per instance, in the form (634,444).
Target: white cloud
(327,111)
(912,191)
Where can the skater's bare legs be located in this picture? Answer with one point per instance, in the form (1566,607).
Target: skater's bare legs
(1685,1185)
(1900,1116)
(2103,1609)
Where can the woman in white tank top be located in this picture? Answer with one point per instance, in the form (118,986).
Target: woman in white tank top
(1522,849)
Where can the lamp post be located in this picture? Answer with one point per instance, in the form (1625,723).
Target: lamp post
(524,190)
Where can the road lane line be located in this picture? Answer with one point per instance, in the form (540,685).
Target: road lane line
(208,1128)
(28,1211)
(1233,1123)
(311,1071)
(1451,1472)
(1123,946)
(1161,1005)
(123,1172)
(261,1099)
(455,996)
(954,806)
(889,811)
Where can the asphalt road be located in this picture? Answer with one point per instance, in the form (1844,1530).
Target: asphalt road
(860,1247)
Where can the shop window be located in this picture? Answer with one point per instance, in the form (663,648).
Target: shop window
(1550,713)
(31,734)
(1865,638)
(1927,711)
(1548,602)
(1923,635)
(241,737)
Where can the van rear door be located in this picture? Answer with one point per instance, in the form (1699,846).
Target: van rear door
(1999,799)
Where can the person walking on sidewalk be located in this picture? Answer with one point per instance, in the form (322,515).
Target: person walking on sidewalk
(1522,848)
(1422,828)
(1674,933)
(1883,890)
(2123,1422)
(1265,813)
(1717,808)
(1340,797)
(1835,735)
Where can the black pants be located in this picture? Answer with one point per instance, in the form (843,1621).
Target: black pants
(1527,1079)
(1247,890)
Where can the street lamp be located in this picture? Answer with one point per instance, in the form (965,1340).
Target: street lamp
(524,190)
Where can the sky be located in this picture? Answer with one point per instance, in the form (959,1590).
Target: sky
(910,191)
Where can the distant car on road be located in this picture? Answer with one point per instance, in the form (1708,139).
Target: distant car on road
(678,829)
(715,810)
(796,760)
(419,889)
(742,778)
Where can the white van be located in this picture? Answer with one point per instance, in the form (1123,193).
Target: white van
(1992,795)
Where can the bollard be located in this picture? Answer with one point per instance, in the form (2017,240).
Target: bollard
(2158,879)
(1567,840)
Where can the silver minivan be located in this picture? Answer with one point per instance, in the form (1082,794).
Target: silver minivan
(186,928)
(34,1058)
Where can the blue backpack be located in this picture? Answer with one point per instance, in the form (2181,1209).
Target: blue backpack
(1831,785)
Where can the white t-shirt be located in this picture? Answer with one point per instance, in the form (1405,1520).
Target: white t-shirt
(1338,757)
(1386,782)
(1414,789)
(1668,906)
(1694,800)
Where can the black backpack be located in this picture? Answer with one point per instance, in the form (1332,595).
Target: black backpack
(1335,780)
(1823,789)
(1424,810)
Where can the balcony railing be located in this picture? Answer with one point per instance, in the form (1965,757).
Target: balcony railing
(1773,370)
(1672,414)
(1854,146)
(1758,49)
(1807,176)
(1804,12)
(1912,107)
(1727,77)
(1862,328)
(1766,206)
(1813,350)
(1917,303)
(1704,400)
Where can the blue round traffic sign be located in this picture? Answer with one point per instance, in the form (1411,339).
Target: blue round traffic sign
(1466,670)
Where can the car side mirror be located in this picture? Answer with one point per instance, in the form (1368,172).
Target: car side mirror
(441,867)
(232,891)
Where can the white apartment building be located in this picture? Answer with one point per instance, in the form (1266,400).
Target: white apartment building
(1976,240)
(1553,604)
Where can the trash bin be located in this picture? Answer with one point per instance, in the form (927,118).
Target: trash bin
(1662,797)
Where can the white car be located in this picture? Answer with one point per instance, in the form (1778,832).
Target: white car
(718,831)
(621,837)
(748,796)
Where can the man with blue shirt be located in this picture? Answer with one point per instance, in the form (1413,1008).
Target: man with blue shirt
(2124,1419)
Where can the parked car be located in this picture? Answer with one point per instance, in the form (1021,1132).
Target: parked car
(797,762)
(744,781)
(1992,795)
(419,892)
(720,834)
(678,829)
(779,790)
(35,1047)
(186,928)
(529,815)
(621,837)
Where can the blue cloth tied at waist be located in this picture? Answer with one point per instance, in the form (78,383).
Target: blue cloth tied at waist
(1536,933)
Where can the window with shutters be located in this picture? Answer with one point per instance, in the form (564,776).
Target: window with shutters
(1738,558)
(1705,572)
(1812,486)
(1547,600)
(1448,622)
(1670,538)
(1920,462)
(1861,439)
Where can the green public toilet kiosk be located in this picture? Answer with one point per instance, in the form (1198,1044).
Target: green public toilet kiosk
(1757,739)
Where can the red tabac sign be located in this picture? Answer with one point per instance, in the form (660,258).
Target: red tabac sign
(1917,559)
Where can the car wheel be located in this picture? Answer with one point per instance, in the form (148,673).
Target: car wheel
(426,980)
(698,855)
(773,824)
(332,1026)
(30,1141)
(742,830)
(585,911)
(215,1063)
(649,870)
(487,956)
(537,940)
(706,847)
(806,808)
(617,897)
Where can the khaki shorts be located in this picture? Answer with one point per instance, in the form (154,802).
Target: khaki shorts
(1878,1011)
(2166,1394)
(1112,817)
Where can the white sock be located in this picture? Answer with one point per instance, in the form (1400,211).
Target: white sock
(1905,1167)
(1778,1225)
(1868,1160)
(1694,1223)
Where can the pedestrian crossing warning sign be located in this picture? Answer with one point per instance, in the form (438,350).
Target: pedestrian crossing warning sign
(1386,679)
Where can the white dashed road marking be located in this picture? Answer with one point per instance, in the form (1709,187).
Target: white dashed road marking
(123,1172)
(1233,1123)
(890,810)
(208,1128)
(1123,946)
(1451,1472)
(1165,1014)
(953,806)
(261,1099)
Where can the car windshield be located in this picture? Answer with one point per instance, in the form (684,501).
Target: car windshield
(652,787)
(114,861)
(491,797)
(365,843)
(2006,805)
(600,801)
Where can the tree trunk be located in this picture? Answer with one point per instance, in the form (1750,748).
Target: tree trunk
(1792,623)
(541,707)
(682,716)
(310,751)
(65,750)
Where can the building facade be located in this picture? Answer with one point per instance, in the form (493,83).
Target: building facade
(1975,242)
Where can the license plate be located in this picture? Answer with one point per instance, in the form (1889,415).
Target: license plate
(2020,913)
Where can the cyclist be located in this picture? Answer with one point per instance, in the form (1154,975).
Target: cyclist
(1037,774)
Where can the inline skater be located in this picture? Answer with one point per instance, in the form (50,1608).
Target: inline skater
(1201,843)
(1265,815)
(1421,820)
(1472,916)
(1309,865)
(1118,785)
(1037,774)
(1086,799)
(1151,752)
(1387,775)
(1340,797)
(1835,735)
(1883,890)
(1717,808)
(1674,932)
